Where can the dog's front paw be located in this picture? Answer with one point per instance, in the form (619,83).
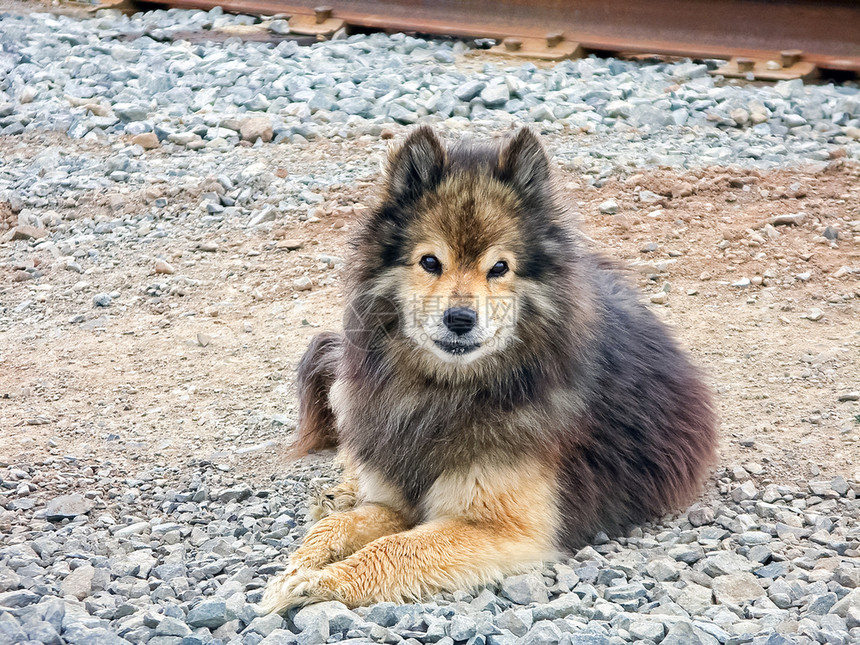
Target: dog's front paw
(337,499)
(297,587)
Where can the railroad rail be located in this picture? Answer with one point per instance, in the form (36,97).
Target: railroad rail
(823,33)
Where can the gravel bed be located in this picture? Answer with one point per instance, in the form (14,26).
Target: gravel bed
(84,78)
(173,118)
(179,556)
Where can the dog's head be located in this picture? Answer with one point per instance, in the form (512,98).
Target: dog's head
(463,245)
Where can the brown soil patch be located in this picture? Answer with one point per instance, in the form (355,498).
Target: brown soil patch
(204,368)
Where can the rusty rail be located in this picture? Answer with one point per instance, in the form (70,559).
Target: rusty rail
(827,32)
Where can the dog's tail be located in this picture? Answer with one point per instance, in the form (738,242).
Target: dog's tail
(316,430)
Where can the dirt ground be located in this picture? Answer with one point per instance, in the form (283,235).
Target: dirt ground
(205,370)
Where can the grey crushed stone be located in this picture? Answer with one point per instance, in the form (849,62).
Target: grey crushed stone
(196,572)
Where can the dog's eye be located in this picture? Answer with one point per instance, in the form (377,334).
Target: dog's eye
(499,269)
(431,264)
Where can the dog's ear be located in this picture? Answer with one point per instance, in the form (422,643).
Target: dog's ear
(524,165)
(416,166)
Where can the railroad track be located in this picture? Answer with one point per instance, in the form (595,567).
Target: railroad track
(820,33)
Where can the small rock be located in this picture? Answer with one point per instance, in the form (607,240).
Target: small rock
(681,633)
(130,111)
(237,494)
(847,576)
(542,633)
(184,138)
(21,276)
(211,613)
(745,491)
(625,593)
(27,94)
(462,628)
(24,232)
(649,197)
(67,507)
(170,626)
(146,140)
(839,485)
(495,95)
(723,563)
(257,127)
(132,529)
(265,625)
(609,207)
(699,515)
(279,27)
(821,604)
(469,90)
(542,112)
(850,601)
(279,637)
(683,189)
(740,474)
(335,615)
(290,245)
(79,583)
(736,588)
(524,589)
(740,116)
(303,284)
(163,267)
(773,570)
(102,300)
(663,569)
(648,630)
(753,468)
(792,219)
(17,598)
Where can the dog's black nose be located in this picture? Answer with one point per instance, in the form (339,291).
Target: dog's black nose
(460,320)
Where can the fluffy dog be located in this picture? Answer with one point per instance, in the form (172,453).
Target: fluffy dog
(499,393)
